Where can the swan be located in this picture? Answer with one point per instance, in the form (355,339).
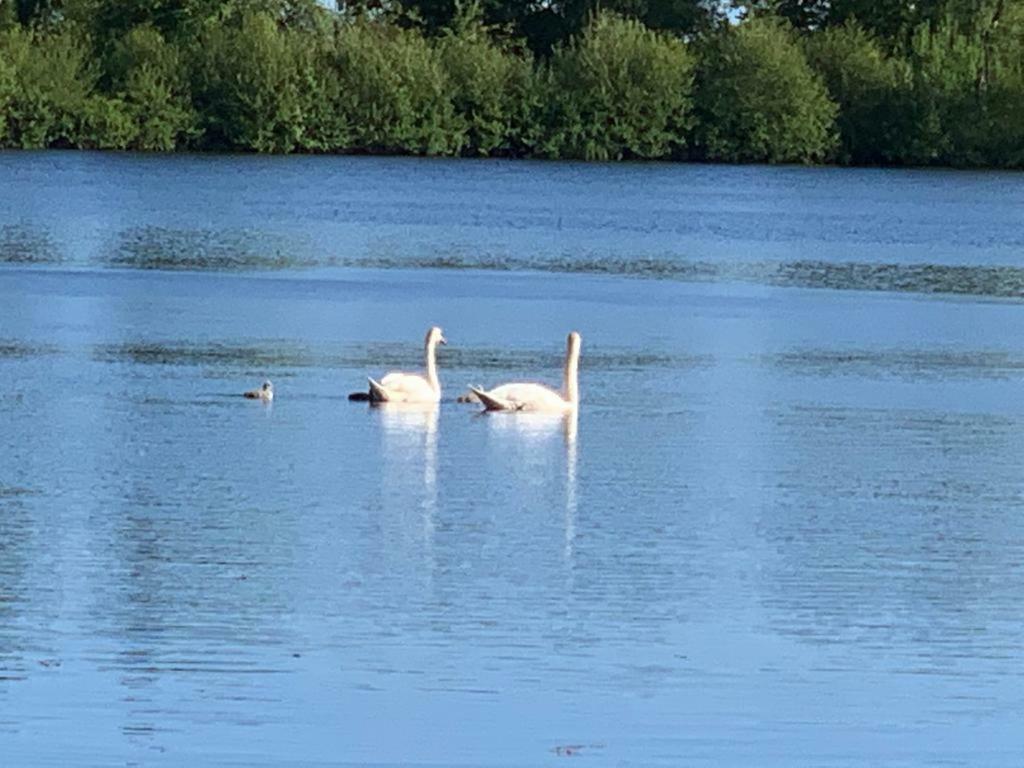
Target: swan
(264,393)
(537,397)
(399,387)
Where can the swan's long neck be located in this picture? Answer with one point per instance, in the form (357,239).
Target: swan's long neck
(571,386)
(431,353)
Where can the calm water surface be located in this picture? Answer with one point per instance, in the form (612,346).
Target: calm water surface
(787,528)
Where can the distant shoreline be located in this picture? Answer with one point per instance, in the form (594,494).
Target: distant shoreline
(515,159)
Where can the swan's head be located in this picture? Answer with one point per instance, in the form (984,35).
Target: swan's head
(574,341)
(434,337)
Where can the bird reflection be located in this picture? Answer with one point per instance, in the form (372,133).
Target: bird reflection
(532,430)
(571,422)
(409,436)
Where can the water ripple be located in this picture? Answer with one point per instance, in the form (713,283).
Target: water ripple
(16,350)
(993,281)
(900,363)
(155,247)
(279,354)
(26,245)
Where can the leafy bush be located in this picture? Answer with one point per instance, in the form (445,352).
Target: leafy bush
(8,16)
(8,86)
(870,88)
(1004,122)
(758,100)
(52,81)
(393,91)
(106,123)
(965,100)
(941,107)
(325,126)
(490,90)
(150,78)
(246,86)
(936,86)
(618,91)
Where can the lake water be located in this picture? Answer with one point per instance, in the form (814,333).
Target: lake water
(787,528)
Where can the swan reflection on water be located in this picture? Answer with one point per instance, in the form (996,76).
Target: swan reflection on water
(532,430)
(410,427)
(409,436)
(410,419)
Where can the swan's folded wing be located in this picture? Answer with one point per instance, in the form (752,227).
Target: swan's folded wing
(378,393)
(492,403)
(528,397)
(405,388)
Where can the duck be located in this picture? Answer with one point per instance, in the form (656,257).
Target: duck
(400,387)
(264,393)
(527,396)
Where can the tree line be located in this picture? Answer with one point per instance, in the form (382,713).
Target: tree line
(848,81)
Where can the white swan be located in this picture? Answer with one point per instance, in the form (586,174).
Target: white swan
(412,387)
(537,397)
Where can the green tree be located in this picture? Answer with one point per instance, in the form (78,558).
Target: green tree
(53,81)
(758,100)
(37,12)
(246,86)
(177,20)
(105,123)
(149,76)
(1003,124)
(8,15)
(491,89)
(870,87)
(885,18)
(8,86)
(393,91)
(943,95)
(1002,79)
(546,25)
(891,22)
(619,90)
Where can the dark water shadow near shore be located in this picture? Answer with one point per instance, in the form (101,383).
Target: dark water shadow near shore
(989,281)
(907,364)
(16,350)
(221,250)
(26,245)
(275,354)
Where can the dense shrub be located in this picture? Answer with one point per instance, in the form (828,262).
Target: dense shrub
(52,81)
(1003,77)
(8,85)
(106,123)
(393,91)
(149,76)
(1004,123)
(759,101)
(619,91)
(942,106)
(869,86)
(491,91)
(246,85)
(943,86)
(8,17)
(325,125)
